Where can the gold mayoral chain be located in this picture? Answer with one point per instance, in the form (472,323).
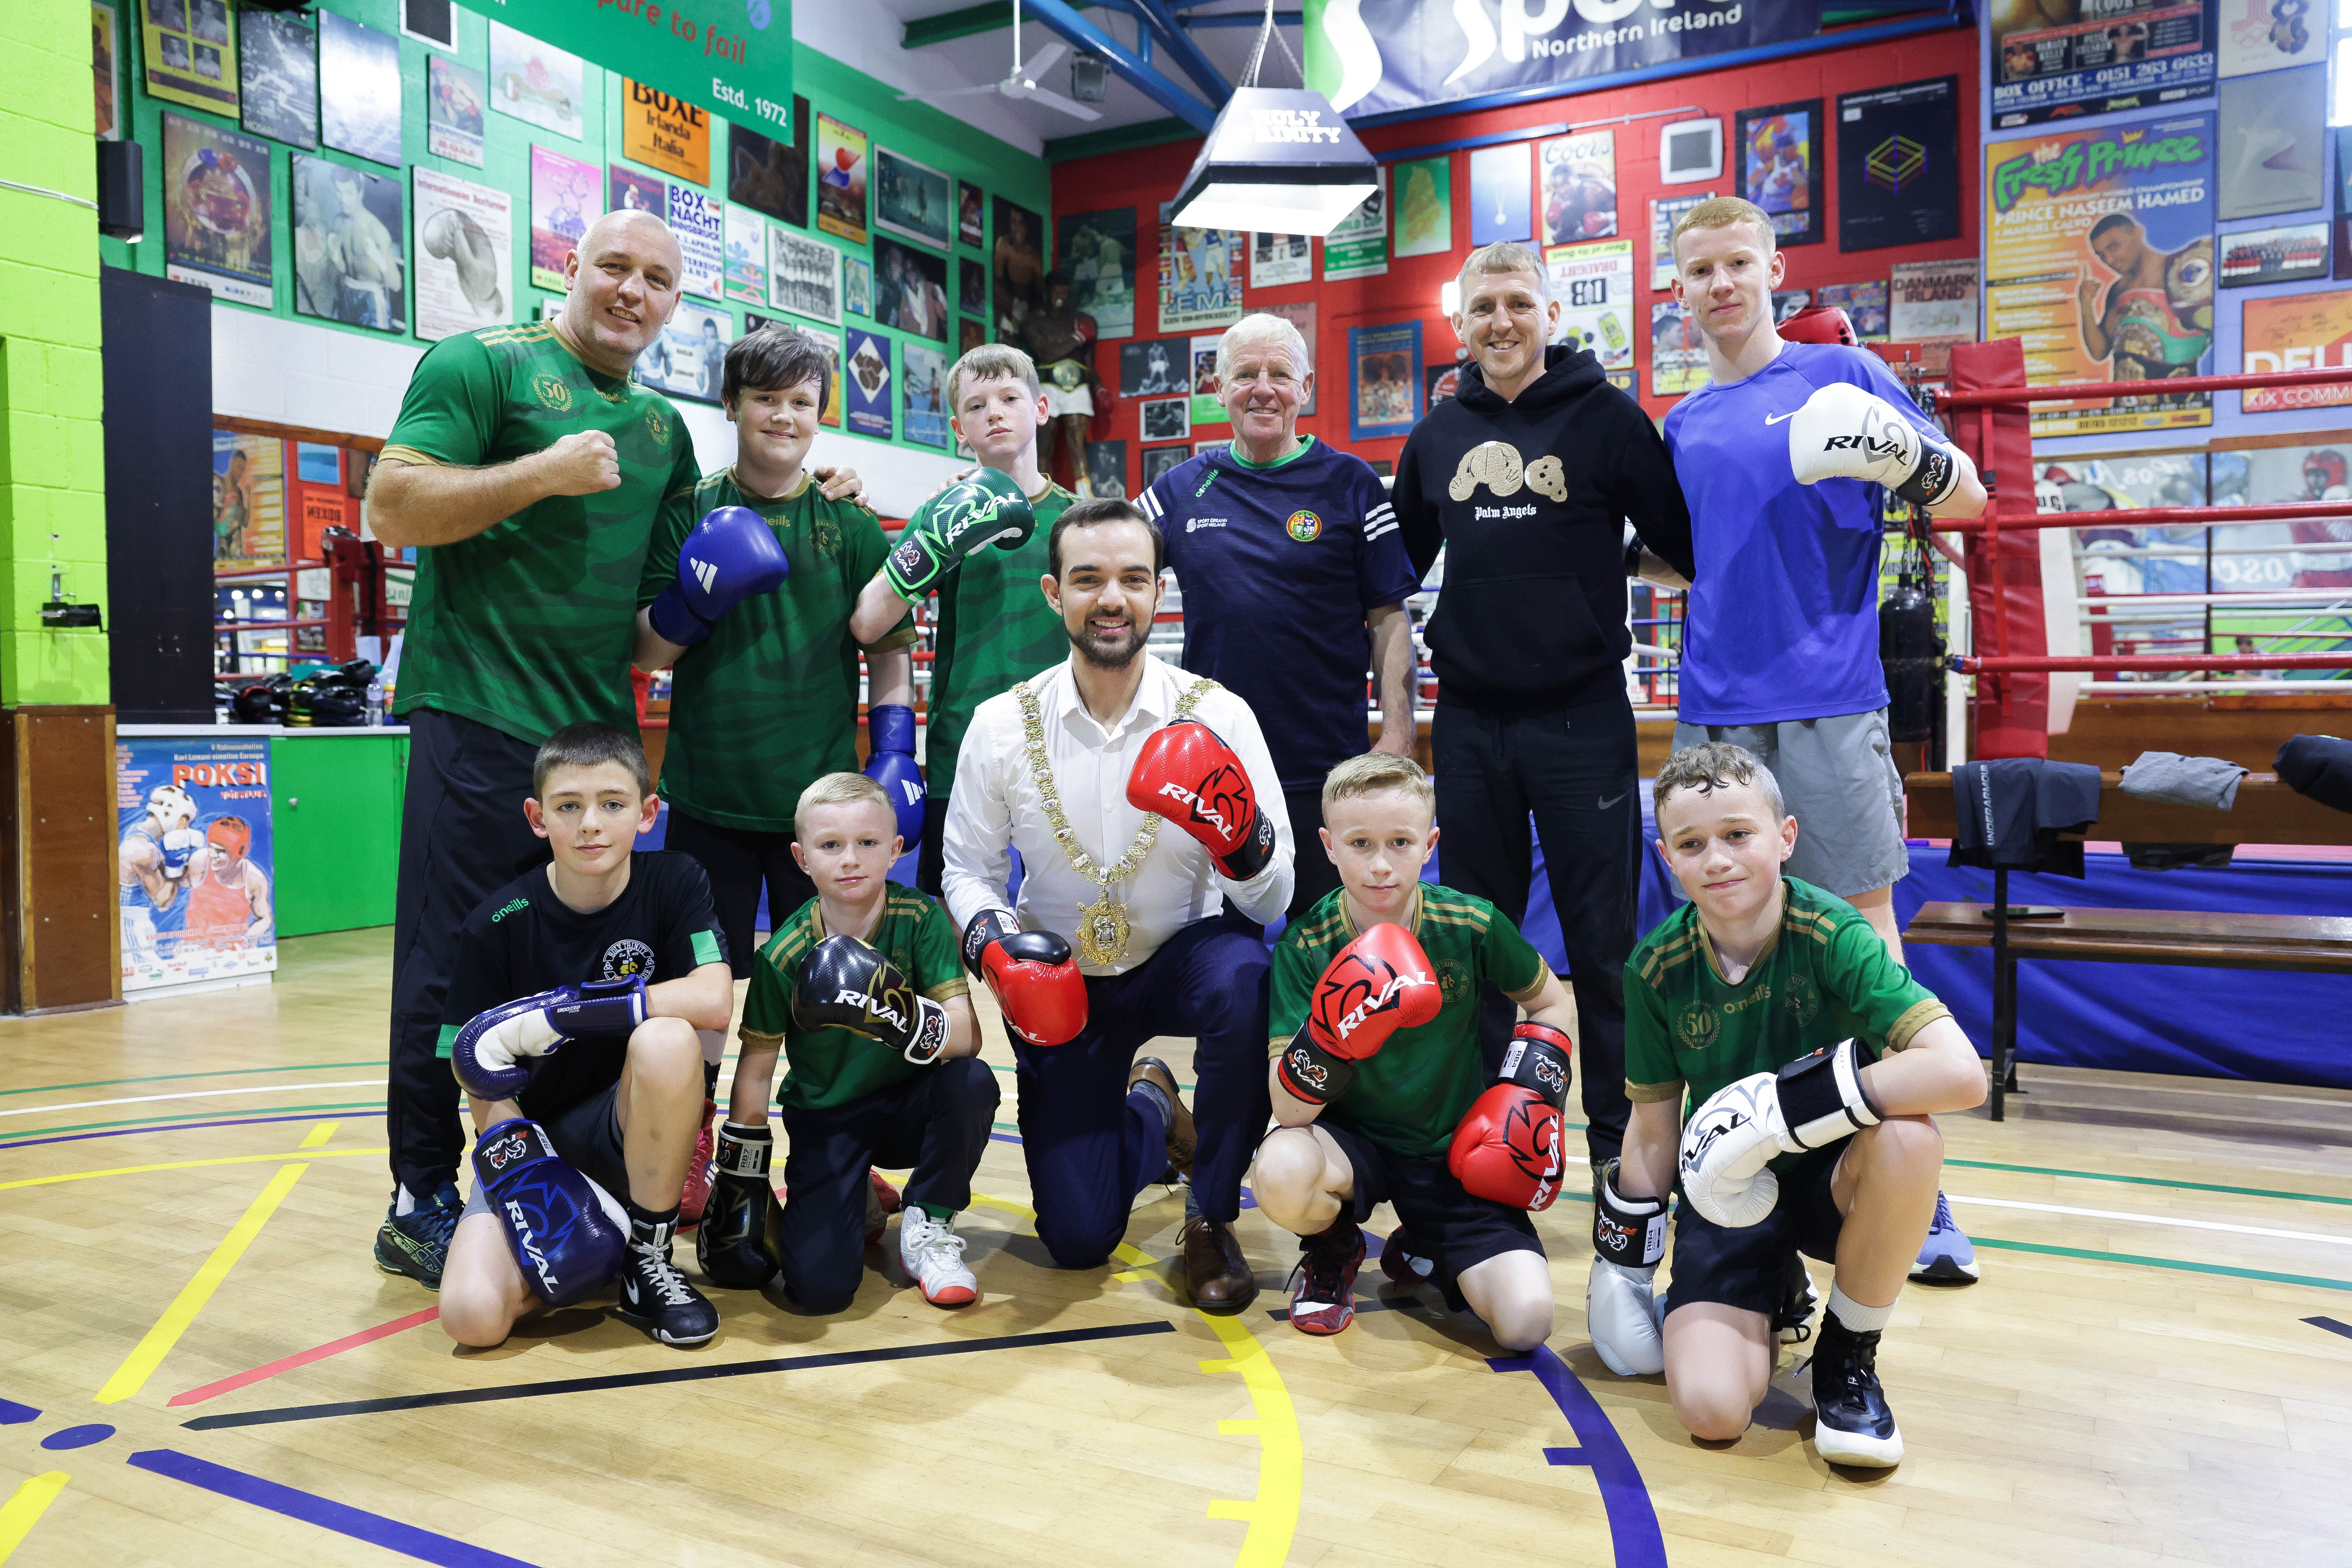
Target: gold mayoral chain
(1102,929)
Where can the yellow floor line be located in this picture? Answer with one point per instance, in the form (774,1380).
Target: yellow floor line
(23,1509)
(186,1165)
(320,1134)
(1273,1515)
(140,1363)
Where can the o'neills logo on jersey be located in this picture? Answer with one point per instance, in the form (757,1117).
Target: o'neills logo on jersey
(552,392)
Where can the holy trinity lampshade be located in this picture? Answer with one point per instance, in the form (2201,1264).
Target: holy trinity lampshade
(1278,161)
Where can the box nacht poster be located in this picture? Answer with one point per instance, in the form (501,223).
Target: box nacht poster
(1384,380)
(1898,164)
(192,819)
(2099,256)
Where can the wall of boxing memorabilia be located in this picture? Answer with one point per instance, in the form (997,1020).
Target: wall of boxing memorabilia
(344,169)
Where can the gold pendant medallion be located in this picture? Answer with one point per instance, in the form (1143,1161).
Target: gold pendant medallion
(1102,931)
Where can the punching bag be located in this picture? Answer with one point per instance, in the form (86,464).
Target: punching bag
(1914,657)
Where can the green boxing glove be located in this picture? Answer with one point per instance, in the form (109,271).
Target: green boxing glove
(981,508)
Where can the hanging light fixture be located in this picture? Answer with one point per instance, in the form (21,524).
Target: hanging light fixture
(1277,161)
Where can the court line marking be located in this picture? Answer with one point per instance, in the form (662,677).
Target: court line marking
(2331,1325)
(2150,1182)
(320,1134)
(149,1354)
(196,1094)
(358,1523)
(304,1358)
(673,1375)
(190,1164)
(2097,1256)
(132,1125)
(2153,1219)
(172,1077)
(24,1506)
(1634,1533)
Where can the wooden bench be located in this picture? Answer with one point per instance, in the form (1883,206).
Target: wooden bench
(2266,812)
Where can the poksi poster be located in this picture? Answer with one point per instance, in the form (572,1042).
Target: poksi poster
(195,860)
(2099,258)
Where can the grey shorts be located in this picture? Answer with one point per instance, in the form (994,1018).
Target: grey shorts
(588,1138)
(1839,780)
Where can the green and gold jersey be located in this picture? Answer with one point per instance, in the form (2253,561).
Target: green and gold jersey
(995,631)
(1824,976)
(1409,1098)
(832,1068)
(528,625)
(767,703)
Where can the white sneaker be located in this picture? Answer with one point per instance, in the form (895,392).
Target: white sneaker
(933,1256)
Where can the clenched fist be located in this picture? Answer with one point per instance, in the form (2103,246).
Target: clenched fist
(581,464)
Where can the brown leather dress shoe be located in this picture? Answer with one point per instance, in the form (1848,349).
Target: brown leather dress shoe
(1215,1271)
(1182,1140)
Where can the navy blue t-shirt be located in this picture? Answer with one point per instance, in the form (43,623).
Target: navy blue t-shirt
(1783,617)
(1278,567)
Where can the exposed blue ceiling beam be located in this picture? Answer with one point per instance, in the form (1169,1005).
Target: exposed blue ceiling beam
(1132,69)
(1187,54)
(1246,19)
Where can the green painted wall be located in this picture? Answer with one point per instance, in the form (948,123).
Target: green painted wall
(52,470)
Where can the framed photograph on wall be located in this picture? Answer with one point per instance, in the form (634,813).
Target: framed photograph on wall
(534,81)
(910,290)
(454,96)
(804,276)
(1167,418)
(279,96)
(858,285)
(768,176)
(358,89)
(1106,470)
(923,384)
(689,359)
(830,416)
(913,199)
(348,266)
(971,286)
(972,209)
(1157,461)
(217,227)
(841,179)
(1780,161)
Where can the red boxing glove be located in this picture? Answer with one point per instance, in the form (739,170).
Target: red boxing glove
(1379,982)
(1508,1149)
(1030,975)
(1191,778)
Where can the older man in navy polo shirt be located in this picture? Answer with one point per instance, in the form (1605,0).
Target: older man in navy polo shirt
(1294,579)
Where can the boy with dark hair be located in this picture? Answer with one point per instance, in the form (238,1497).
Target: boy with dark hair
(1813,1064)
(573,1006)
(765,700)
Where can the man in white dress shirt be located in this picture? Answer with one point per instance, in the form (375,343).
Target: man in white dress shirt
(1163,923)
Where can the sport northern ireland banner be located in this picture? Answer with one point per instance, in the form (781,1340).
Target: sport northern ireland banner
(1382,56)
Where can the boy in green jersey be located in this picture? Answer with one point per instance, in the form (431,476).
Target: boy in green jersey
(892,1078)
(1384,1136)
(995,629)
(1813,1063)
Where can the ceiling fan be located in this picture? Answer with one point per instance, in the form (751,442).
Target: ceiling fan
(1021,81)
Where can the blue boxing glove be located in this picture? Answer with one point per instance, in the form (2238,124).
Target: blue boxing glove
(486,1054)
(730,555)
(180,846)
(564,1240)
(892,765)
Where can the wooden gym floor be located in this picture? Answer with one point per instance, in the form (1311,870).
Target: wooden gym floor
(199,1363)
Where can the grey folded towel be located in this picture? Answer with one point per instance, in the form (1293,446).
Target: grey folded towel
(2208,782)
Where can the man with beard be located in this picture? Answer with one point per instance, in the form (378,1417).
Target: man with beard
(1143,803)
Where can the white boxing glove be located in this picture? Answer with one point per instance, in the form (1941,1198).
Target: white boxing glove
(1845,433)
(1812,1101)
(1621,1310)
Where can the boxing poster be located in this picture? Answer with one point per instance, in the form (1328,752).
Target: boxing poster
(1208,408)
(1577,189)
(2099,258)
(1933,302)
(923,385)
(190,46)
(1779,160)
(841,179)
(454,96)
(1200,275)
(1384,380)
(248,499)
(1593,285)
(1664,212)
(1899,164)
(868,384)
(195,868)
(2297,331)
(216,210)
(665,133)
(1864,305)
(1678,352)
(464,249)
(563,194)
(746,271)
(1358,247)
(699,225)
(2072,58)
(1099,253)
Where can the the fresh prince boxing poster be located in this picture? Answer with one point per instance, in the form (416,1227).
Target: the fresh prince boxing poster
(2099,256)
(194,862)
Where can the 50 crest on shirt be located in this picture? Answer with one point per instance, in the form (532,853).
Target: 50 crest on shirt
(1698,1026)
(626,957)
(554,393)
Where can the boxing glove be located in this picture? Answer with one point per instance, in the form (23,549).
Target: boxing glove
(1845,433)
(1621,1310)
(728,557)
(1376,984)
(845,985)
(981,508)
(1194,780)
(563,1239)
(1728,1140)
(1029,974)
(1507,1148)
(891,764)
(739,1244)
(180,846)
(486,1051)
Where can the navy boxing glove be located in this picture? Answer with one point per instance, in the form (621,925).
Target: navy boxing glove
(484,1053)
(562,1238)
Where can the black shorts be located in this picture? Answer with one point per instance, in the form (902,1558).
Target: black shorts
(1459,1230)
(1746,1268)
(587,1137)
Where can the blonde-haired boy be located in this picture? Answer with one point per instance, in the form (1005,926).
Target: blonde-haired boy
(863,987)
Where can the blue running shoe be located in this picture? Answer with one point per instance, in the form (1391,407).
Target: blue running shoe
(1945,1257)
(417,1242)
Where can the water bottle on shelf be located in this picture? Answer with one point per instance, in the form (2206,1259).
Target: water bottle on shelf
(375,700)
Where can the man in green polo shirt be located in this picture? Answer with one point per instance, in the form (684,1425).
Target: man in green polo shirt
(995,626)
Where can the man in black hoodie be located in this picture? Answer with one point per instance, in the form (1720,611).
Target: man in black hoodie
(1528,478)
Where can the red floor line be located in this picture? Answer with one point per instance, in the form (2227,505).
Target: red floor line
(304,1358)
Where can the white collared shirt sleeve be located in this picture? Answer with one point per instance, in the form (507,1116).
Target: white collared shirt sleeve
(1266,896)
(978,839)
